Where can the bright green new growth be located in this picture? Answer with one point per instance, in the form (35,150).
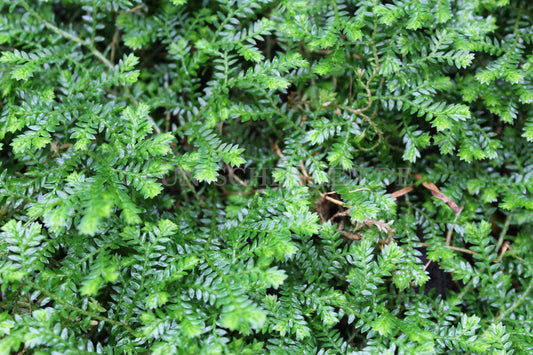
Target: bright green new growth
(127,226)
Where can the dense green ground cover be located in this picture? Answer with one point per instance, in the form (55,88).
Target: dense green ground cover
(247,177)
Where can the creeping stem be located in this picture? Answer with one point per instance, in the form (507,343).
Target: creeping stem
(87,45)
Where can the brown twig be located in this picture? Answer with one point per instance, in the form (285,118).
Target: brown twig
(4,209)
(302,121)
(350,235)
(345,213)
(463,250)
(381,225)
(402,192)
(507,247)
(306,176)
(360,189)
(450,231)
(136,8)
(504,231)
(113,45)
(277,150)
(335,201)
(231,173)
(438,194)
(427,264)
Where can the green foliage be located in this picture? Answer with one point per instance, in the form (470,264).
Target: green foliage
(218,176)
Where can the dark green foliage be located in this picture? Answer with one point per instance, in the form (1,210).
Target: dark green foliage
(206,177)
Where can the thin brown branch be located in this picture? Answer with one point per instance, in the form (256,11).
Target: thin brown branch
(350,235)
(503,233)
(113,45)
(402,192)
(427,264)
(462,250)
(304,172)
(231,173)
(335,201)
(450,231)
(277,150)
(345,213)
(507,247)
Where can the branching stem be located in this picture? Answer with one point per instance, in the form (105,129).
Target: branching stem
(79,310)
